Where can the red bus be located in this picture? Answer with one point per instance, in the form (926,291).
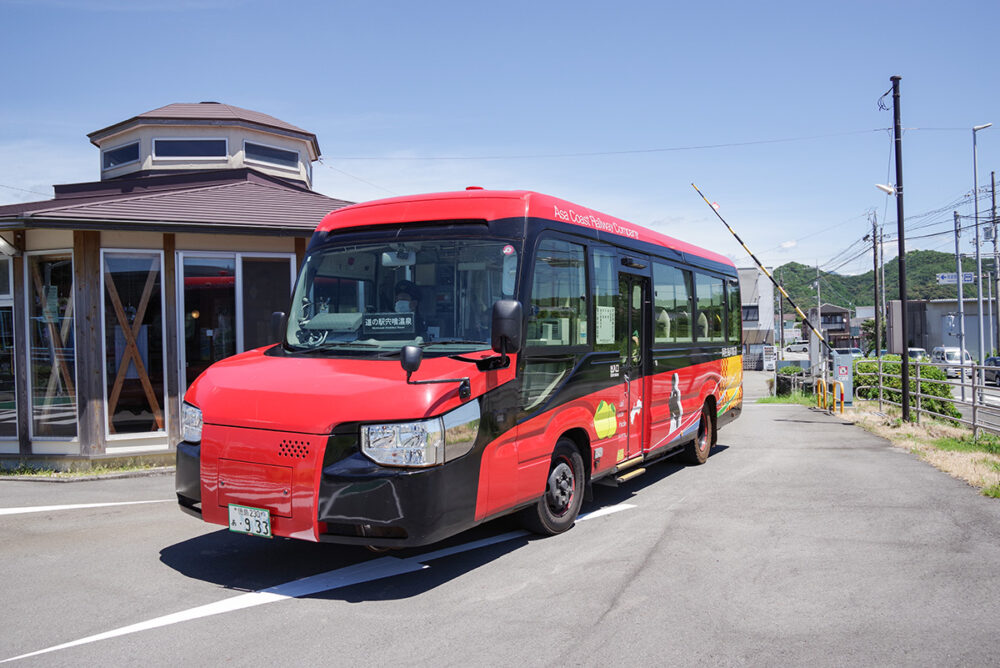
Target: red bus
(452,358)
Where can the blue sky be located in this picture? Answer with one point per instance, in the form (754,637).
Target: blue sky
(770,108)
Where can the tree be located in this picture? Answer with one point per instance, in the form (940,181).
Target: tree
(868,335)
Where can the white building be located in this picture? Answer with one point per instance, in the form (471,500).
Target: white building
(757,300)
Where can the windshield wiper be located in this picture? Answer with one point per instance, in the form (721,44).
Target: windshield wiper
(444,342)
(332,345)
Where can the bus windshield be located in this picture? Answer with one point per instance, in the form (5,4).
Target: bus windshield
(368,298)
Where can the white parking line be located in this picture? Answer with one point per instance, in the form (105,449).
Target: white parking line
(376,569)
(76,506)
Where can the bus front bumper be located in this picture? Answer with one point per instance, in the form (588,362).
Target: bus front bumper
(323,489)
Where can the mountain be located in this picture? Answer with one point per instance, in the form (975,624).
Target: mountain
(922,267)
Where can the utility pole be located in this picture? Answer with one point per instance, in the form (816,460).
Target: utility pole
(961,304)
(996,265)
(878,319)
(781,313)
(989,308)
(881,255)
(980,375)
(897,130)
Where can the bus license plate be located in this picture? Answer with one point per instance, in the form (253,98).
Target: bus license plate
(253,521)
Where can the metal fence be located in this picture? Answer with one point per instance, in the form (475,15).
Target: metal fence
(974,392)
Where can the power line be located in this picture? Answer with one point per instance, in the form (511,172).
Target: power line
(33,192)
(356,178)
(588,154)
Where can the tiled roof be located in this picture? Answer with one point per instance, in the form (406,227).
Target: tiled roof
(252,204)
(216,111)
(206,112)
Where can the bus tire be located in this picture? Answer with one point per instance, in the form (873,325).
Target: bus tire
(557,509)
(697,451)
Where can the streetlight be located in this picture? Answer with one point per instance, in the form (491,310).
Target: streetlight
(979,260)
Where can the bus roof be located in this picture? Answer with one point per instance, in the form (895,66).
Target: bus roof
(479,204)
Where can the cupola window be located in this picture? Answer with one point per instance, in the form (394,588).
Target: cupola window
(270,154)
(190,148)
(122,155)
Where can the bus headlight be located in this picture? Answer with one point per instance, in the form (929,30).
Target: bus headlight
(425,442)
(190,423)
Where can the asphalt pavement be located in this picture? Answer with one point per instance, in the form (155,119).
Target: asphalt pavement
(803,541)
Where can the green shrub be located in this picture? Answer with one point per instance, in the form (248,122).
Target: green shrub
(791,370)
(930,384)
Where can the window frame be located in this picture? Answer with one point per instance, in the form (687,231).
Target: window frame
(197,158)
(573,348)
(7,301)
(27,338)
(721,341)
(238,311)
(688,272)
(256,161)
(138,154)
(165,405)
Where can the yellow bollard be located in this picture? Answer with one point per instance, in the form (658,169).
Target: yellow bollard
(841,386)
(820,385)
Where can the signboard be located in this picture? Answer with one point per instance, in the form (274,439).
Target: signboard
(952,278)
(387,323)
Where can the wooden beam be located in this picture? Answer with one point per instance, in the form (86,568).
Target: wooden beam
(89,342)
(174,370)
(300,252)
(21,348)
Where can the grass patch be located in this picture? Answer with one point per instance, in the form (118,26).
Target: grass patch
(993,491)
(991,464)
(26,470)
(965,443)
(793,398)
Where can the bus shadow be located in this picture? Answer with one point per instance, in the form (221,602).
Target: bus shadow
(246,564)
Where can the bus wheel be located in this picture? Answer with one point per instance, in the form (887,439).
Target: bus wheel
(556,511)
(697,450)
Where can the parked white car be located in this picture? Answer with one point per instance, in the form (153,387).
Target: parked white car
(797,347)
(951,355)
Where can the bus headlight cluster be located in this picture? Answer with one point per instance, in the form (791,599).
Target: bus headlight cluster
(424,442)
(191,423)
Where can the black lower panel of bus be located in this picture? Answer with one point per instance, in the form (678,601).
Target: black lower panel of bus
(362,503)
(187,478)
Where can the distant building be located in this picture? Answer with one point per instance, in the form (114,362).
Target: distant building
(834,323)
(935,322)
(116,294)
(757,299)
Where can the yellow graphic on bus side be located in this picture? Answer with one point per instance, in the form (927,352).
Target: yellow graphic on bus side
(731,385)
(605,420)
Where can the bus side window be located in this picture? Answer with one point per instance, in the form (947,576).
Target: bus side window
(558,314)
(671,304)
(735,332)
(710,308)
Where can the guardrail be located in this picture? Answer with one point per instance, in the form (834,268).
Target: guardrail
(978,403)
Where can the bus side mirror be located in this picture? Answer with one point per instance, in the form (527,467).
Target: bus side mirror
(410,359)
(278,325)
(508,318)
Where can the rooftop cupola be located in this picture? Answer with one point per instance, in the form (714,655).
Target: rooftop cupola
(205,136)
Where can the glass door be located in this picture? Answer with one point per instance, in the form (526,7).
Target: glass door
(633,295)
(226,304)
(8,394)
(209,311)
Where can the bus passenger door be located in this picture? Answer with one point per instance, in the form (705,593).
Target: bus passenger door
(634,295)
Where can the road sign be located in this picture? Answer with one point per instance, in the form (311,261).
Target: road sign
(952,278)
